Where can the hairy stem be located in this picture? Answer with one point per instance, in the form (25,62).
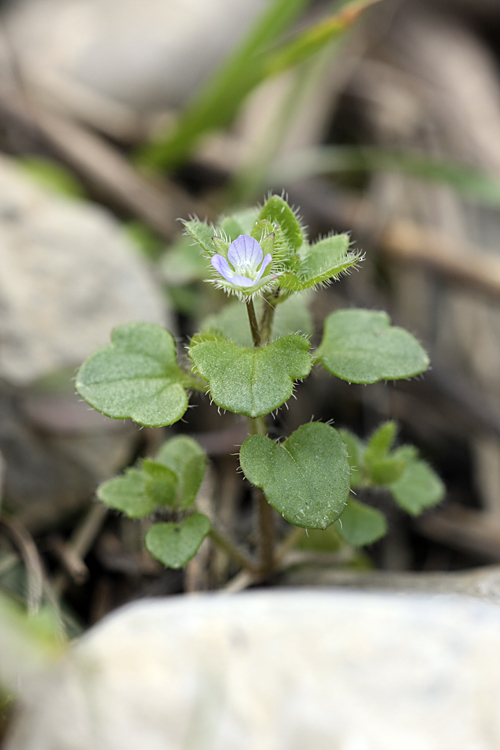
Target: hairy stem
(232,550)
(254,326)
(267,318)
(265,521)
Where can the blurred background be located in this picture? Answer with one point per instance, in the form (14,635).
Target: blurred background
(117,118)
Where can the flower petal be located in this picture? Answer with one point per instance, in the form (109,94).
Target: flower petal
(222,266)
(243,281)
(263,267)
(244,250)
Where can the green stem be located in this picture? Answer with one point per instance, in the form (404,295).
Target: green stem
(266,322)
(265,521)
(237,555)
(254,326)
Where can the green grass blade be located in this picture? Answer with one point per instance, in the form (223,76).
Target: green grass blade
(219,100)
(255,60)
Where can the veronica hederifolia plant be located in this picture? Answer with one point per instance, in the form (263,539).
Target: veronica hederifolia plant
(248,362)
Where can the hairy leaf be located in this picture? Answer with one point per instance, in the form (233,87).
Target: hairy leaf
(325,260)
(359,524)
(175,544)
(306,479)
(136,376)
(128,494)
(361,346)
(252,380)
(418,488)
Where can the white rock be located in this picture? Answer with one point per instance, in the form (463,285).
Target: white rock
(276,671)
(68,276)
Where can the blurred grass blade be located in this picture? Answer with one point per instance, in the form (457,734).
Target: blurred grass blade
(313,39)
(220,98)
(255,60)
(333,159)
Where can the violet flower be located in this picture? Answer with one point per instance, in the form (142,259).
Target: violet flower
(245,265)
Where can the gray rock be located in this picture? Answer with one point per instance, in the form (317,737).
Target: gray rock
(69,275)
(144,54)
(285,670)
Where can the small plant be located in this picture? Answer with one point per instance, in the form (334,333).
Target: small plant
(248,364)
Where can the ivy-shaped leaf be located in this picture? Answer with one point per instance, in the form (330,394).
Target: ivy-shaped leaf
(306,478)
(325,260)
(359,524)
(251,380)
(136,377)
(361,346)
(418,488)
(128,494)
(175,544)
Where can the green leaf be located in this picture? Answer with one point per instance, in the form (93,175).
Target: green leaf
(231,228)
(175,544)
(136,377)
(325,260)
(323,541)
(127,493)
(360,346)
(293,316)
(252,380)
(306,478)
(355,450)
(245,219)
(202,234)
(418,488)
(383,468)
(384,471)
(187,460)
(232,322)
(277,211)
(160,483)
(263,232)
(381,441)
(359,524)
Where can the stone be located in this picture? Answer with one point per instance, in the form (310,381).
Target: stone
(69,275)
(145,55)
(275,669)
